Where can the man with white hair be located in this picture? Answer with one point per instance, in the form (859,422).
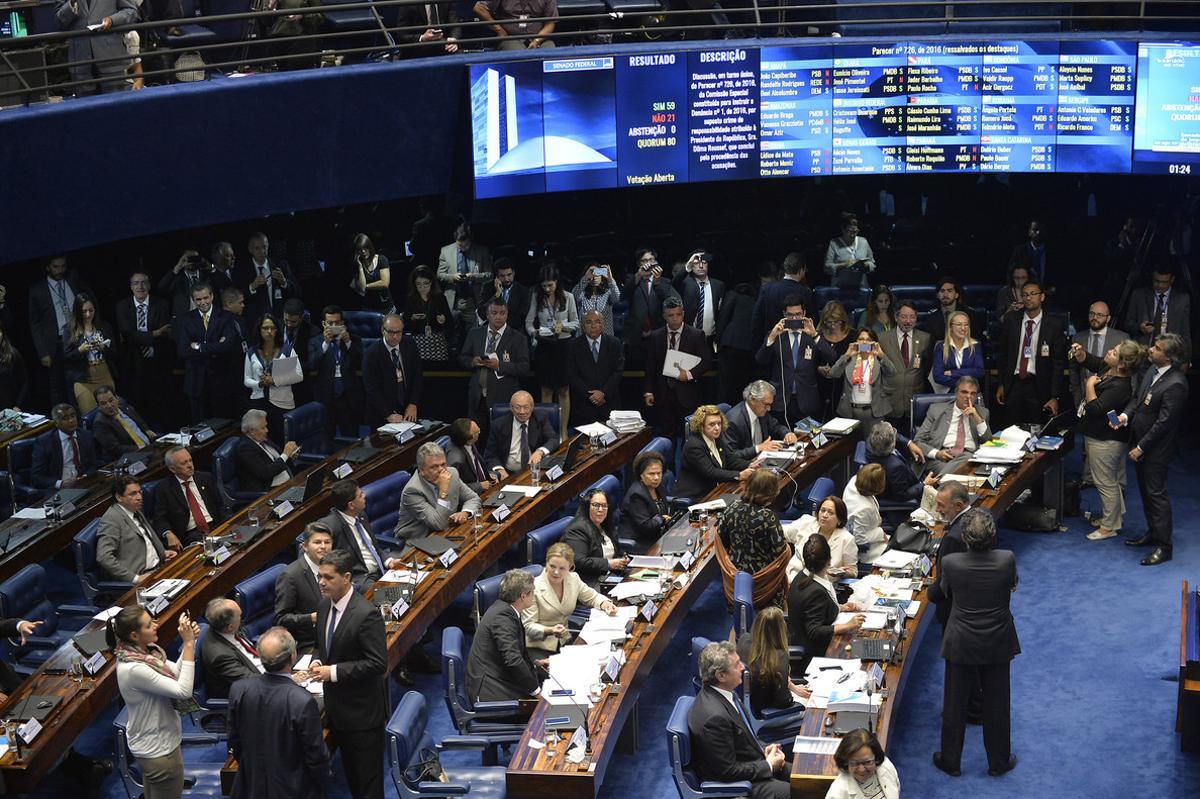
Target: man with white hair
(752,429)
(519,440)
(260,466)
(435,498)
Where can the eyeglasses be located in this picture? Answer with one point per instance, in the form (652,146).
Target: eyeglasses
(858,763)
(394,332)
(599,505)
(1097,314)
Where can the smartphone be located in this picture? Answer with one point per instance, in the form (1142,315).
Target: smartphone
(1112,417)
(600,271)
(864,347)
(408,248)
(793,324)
(337,330)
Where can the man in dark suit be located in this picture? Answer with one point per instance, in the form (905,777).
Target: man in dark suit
(520,439)
(1033,356)
(751,428)
(352,534)
(275,729)
(144,327)
(793,351)
(261,467)
(724,748)
(1099,337)
(50,312)
(334,361)
(645,292)
(118,428)
(392,376)
(497,355)
(677,396)
(187,504)
(595,366)
(979,643)
(952,502)
(1154,415)
(177,285)
(297,334)
(950,300)
(223,274)
(902,482)
(1160,308)
(227,654)
(268,283)
(64,454)
(499,667)
(352,655)
(297,593)
(464,457)
(515,295)
(701,294)
(208,342)
(769,306)
(735,343)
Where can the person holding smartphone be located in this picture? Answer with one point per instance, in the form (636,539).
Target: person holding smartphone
(598,291)
(848,259)
(793,350)
(646,291)
(863,367)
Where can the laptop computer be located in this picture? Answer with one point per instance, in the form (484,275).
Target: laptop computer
(14,532)
(1067,420)
(37,706)
(243,534)
(89,642)
(298,495)
(431,544)
(565,717)
(359,454)
(502,497)
(568,459)
(72,495)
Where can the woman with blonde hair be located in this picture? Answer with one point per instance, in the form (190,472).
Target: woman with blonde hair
(708,456)
(557,591)
(958,355)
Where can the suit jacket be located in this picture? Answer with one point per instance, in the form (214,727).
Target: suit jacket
(519,298)
(120,548)
(1080,372)
(111,437)
(383,393)
(479,270)
(177,288)
(1050,358)
(950,543)
(723,745)
(1143,308)
(979,585)
(699,472)
(881,406)
(734,323)
(586,540)
(255,468)
(297,597)
(541,435)
(586,374)
(689,292)
(902,482)
(512,352)
(217,363)
(936,426)
(459,459)
(345,537)
(275,734)
(900,386)
(358,700)
(499,666)
(321,366)
(643,306)
(1156,412)
(171,511)
(768,307)
(224,664)
(548,610)
(9,679)
(132,340)
(803,378)
(690,340)
(43,323)
(48,457)
(420,511)
(811,614)
(641,517)
(738,433)
(444,16)
(257,301)
(944,372)
(98,45)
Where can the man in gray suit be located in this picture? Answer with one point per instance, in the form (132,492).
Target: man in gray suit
(435,498)
(79,15)
(951,430)
(1099,338)
(908,349)
(128,549)
(463,268)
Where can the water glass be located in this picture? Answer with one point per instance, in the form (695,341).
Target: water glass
(253,517)
(535,473)
(140,595)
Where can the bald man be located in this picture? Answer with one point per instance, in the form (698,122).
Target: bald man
(1099,337)
(519,440)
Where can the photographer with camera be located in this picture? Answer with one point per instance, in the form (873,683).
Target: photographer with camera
(646,291)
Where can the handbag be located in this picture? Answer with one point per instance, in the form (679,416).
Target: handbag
(432,346)
(912,536)
(1031,518)
(427,768)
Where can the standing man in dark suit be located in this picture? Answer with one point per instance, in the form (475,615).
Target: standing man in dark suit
(646,292)
(144,325)
(227,654)
(275,729)
(979,643)
(595,366)
(505,286)
(50,313)
(392,376)
(1160,308)
(770,306)
(118,428)
(297,334)
(65,454)
(793,351)
(188,272)
(261,467)
(208,343)
(907,348)
(735,343)
(464,457)
(950,300)
(187,505)
(497,356)
(702,294)
(1154,416)
(499,667)
(724,748)
(268,283)
(352,663)
(751,428)
(520,439)
(335,359)
(224,268)
(297,593)
(674,397)
(1033,355)
(952,502)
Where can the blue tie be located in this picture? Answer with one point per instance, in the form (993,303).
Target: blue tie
(329,631)
(795,360)
(366,539)
(595,350)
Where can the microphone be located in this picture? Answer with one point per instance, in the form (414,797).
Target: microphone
(587,736)
(870,708)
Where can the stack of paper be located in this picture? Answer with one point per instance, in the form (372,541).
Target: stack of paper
(594,430)
(626,421)
(32,419)
(170,588)
(174,438)
(404,576)
(874,620)
(664,562)
(855,701)
(631,588)
(576,668)
(602,628)
(815,746)
(396,428)
(839,427)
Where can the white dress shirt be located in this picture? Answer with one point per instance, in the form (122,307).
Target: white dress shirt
(183,486)
(952,433)
(63,300)
(69,472)
(367,557)
(1031,367)
(152,559)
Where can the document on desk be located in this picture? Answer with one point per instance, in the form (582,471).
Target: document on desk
(715,504)
(624,615)
(895,559)
(664,562)
(677,360)
(529,491)
(37,512)
(818,665)
(806,745)
(594,429)
(632,588)
(105,615)
(396,428)
(873,620)
(404,576)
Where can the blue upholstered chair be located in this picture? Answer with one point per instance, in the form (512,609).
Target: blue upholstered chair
(487,590)
(470,717)
(306,426)
(406,738)
(202,778)
(95,584)
(23,596)
(224,461)
(538,540)
(89,419)
(365,324)
(383,505)
(743,602)
(544,409)
(821,488)
(150,497)
(20,469)
(256,597)
(679,748)
(921,403)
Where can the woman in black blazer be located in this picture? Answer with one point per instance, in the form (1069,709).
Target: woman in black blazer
(708,458)
(813,606)
(14,385)
(644,511)
(590,536)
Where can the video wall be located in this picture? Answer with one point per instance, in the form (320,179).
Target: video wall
(890,108)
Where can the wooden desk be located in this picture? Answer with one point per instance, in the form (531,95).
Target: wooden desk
(1187,715)
(545,772)
(82,704)
(54,539)
(9,436)
(812,774)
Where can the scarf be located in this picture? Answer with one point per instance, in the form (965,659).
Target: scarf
(862,371)
(156,659)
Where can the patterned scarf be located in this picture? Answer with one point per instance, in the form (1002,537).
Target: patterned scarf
(862,371)
(156,659)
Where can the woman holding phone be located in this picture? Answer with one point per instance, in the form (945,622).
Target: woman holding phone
(597,291)
(863,368)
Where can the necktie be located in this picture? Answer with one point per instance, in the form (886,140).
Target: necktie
(960,437)
(245,642)
(755,429)
(524,445)
(75,456)
(649,303)
(904,350)
(399,367)
(700,308)
(462,262)
(795,351)
(671,346)
(204,317)
(368,543)
(135,435)
(505,295)
(1095,348)
(491,343)
(480,474)
(266,275)
(143,326)
(1023,369)
(595,350)
(1160,314)
(745,719)
(330,629)
(339,382)
(194,508)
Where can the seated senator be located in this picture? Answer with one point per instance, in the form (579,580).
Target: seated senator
(226,653)
(591,537)
(812,604)
(901,483)
(65,454)
(830,524)
(520,439)
(118,428)
(863,769)
(862,507)
(764,650)
(644,510)
(708,456)
(557,591)
(952,431)
(127,548)
(260,466)
(435,499)
(500,666)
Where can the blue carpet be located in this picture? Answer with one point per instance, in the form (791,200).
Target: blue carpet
(1093,692)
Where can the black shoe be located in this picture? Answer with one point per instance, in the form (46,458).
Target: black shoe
(1144,541)
(1159,555)
(402,676)
(419,660)
(1007,767)
(937,761)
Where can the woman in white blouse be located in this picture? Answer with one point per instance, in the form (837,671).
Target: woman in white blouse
(155,691)
(849,258)
(270,372)
(864,772)
(551,322)
(830,523)
(557,591)
(865,522)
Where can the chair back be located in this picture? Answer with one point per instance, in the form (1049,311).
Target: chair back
(487,590)
(20,464)
(444,443)
(365,324)
(150,497)
(224,460)
(743,602)
(383,501)
(611,487)
(821,488)
(921,403)
(256,597)
(126,764)
(855,296)
(537,541)
(454,678)
(199,683)
(89,419)
(405,739)
(23,596)
(548,410)
(679,747)
(84,544)
(306,426)
(698,644)
(860,454)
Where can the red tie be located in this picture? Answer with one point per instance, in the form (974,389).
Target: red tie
(244,641)
(904,350)
(960,438)
(75,456)
(194,507)
(1023,369)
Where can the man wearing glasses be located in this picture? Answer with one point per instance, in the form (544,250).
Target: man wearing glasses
(646,291)
(1033,355)
(392,377)
(793,350)
(144,327)
(1097,339)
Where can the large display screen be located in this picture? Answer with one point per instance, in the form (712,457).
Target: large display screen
(889,108)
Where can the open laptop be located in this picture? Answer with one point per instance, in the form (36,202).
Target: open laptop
(1060,424)
(243,534)
(502,497)
(567,460)
(433,545)
(359,454)
(89,642)
(298,495)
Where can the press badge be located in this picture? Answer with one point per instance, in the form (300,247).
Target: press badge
(808,353)
(1045,350)
(506,357)
(522,24)
(1148,396)
(916,361)
(399,376)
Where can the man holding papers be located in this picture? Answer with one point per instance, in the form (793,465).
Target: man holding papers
(952,431)
(499,666)
(676,356)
